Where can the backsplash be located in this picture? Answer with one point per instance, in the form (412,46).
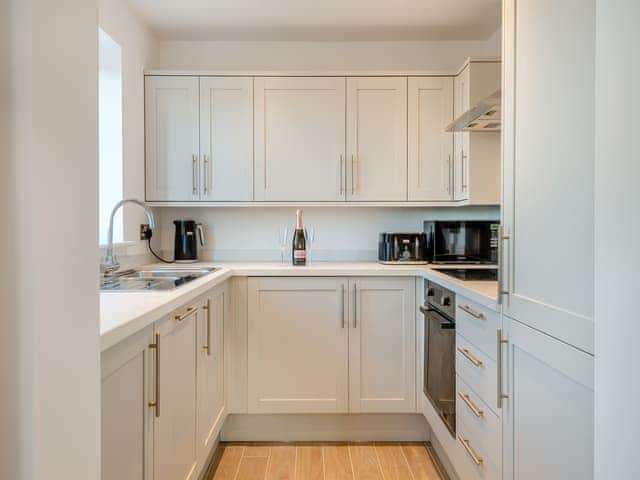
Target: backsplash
(342,233)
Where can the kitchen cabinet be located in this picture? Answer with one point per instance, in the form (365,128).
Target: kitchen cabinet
(548,412)
(476,171)
(331,345)
(226,139)
(175,443)
(382,345)
(430,167)
(126,420)
(171,138)
(547,213)
(297,345)
(299,138)
(210,369)
(377,139)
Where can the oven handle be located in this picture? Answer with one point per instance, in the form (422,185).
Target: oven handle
(446,325)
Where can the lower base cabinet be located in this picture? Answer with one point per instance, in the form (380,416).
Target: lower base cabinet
(548,414)
(331,345)
(126,421)
(163,399)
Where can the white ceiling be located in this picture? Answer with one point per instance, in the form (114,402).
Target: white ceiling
(320,19)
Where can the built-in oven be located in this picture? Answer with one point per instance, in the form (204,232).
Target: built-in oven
(439,352)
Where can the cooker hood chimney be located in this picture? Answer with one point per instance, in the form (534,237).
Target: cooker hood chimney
(483,117)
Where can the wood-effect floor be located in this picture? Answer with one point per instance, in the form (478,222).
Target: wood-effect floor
(326,462)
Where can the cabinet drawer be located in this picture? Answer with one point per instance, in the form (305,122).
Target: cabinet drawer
(478,324)
(477,370)
(480,422)
(473,460)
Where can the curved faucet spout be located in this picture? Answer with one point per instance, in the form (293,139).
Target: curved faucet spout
(110,264)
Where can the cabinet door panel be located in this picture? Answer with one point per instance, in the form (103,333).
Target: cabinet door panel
(430,147)
(548,165)
(299,138)
(377,139)
(127,421)
(548,415)
(172,144)
(211,404)
(298,340)
(175,442)
(461,139)
(382,345)
(226,138)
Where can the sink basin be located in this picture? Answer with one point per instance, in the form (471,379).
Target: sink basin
(152,279)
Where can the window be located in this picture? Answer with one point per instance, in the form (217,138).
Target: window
(109,135)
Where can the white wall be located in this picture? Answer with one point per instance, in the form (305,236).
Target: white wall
(617,248)
(352,56)
(342,233)
(49,334)
(139,46)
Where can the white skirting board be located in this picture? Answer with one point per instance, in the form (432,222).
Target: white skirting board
(326,428)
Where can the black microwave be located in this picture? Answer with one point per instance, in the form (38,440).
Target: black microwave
(462,242)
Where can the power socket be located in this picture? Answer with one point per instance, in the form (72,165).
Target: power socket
(145,231)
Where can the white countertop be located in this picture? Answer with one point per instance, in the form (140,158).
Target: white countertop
(124,313)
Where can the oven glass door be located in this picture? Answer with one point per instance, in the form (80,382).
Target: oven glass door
(439,366)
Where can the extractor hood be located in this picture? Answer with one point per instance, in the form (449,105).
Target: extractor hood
(483,117)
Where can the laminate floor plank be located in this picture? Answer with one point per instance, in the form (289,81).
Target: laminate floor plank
(309,463)
(420,462)
(257,451)
(282,463)
(365,462)
(337,463)
(229,463)
(393,462)
(252,468)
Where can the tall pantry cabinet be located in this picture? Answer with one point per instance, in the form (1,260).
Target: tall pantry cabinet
(547,273)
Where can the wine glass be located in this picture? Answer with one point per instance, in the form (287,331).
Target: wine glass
(310,238)
(283,240)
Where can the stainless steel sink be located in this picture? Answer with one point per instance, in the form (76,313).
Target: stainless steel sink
(152,279)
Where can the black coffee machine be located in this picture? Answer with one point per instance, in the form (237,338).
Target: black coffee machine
(186,243)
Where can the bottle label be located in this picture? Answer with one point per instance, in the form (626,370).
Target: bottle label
(299,254)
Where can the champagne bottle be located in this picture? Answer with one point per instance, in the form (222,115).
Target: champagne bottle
(299,251)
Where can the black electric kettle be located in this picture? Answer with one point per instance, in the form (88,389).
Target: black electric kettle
(186,243)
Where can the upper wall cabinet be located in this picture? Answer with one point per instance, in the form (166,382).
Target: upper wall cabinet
(226,138)
(172,146)
(199,134)
(377,139)
(299,139)
(430,104)
(476,154)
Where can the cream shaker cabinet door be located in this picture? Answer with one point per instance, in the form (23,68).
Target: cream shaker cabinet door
(461,139)
(382,345)
(548,413)
(211,398)
(175,432)
(226,139)
(299,139)
(377,139)
(126,418)
(430,103)
(548,168)
(298,345)
(172,145)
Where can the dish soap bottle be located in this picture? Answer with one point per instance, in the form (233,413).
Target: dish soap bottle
(299,250)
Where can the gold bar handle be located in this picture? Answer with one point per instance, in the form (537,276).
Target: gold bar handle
(207,308)
(467,446)
(190,311)
(472,406)
(205,161)
(472,312)
(500,341)
(156,403)
(470,357)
